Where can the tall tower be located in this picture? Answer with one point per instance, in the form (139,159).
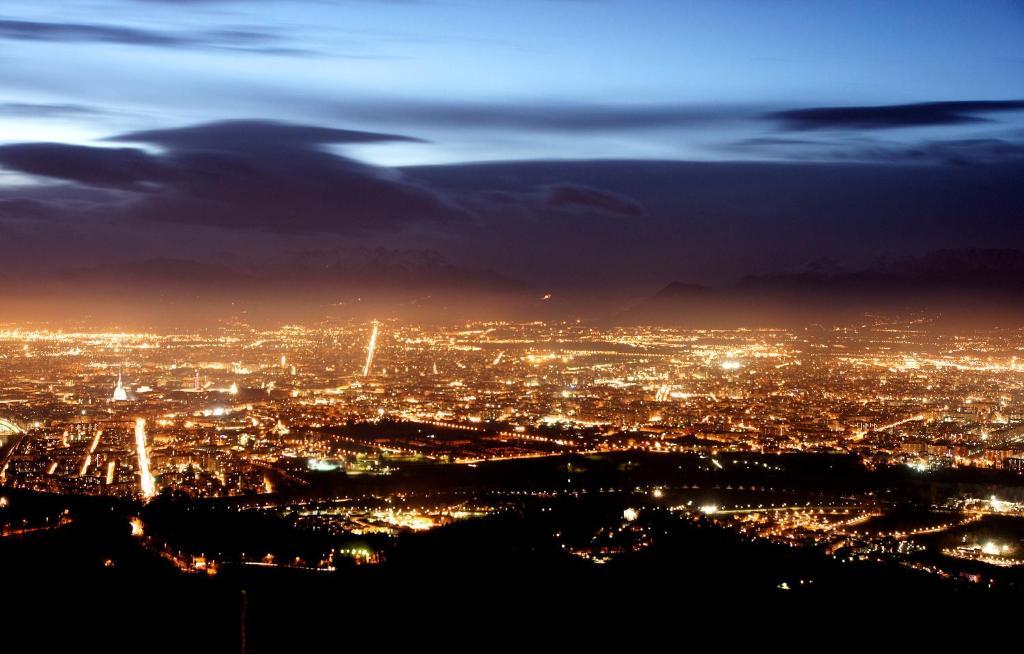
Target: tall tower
(120,394)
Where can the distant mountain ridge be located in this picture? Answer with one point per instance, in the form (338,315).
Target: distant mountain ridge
(960,268)
(949,281)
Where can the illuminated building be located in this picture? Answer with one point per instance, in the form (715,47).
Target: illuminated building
(120,394)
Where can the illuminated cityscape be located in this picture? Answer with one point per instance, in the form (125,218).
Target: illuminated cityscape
(722,429)
(348,325)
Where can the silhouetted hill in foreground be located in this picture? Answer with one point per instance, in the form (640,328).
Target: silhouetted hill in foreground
(972,285)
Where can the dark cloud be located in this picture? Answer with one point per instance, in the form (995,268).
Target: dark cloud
(710,220)
(106,167)
(74,32)
(858,122)
(247,40)
(255,134)
(244,174)
(768,141)
(45,110)
(256,188)
(970,151)
(579,117)
(961,152)
(542,116)
(888,116)
(575,197)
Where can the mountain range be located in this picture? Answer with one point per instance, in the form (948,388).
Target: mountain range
(958,283)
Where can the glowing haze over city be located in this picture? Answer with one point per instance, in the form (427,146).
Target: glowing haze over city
(311,305)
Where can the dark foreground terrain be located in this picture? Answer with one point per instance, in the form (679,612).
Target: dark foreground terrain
(91,580)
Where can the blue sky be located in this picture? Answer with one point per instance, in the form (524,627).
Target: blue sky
(383,64)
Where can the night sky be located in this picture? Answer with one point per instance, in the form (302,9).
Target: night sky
(582,144)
